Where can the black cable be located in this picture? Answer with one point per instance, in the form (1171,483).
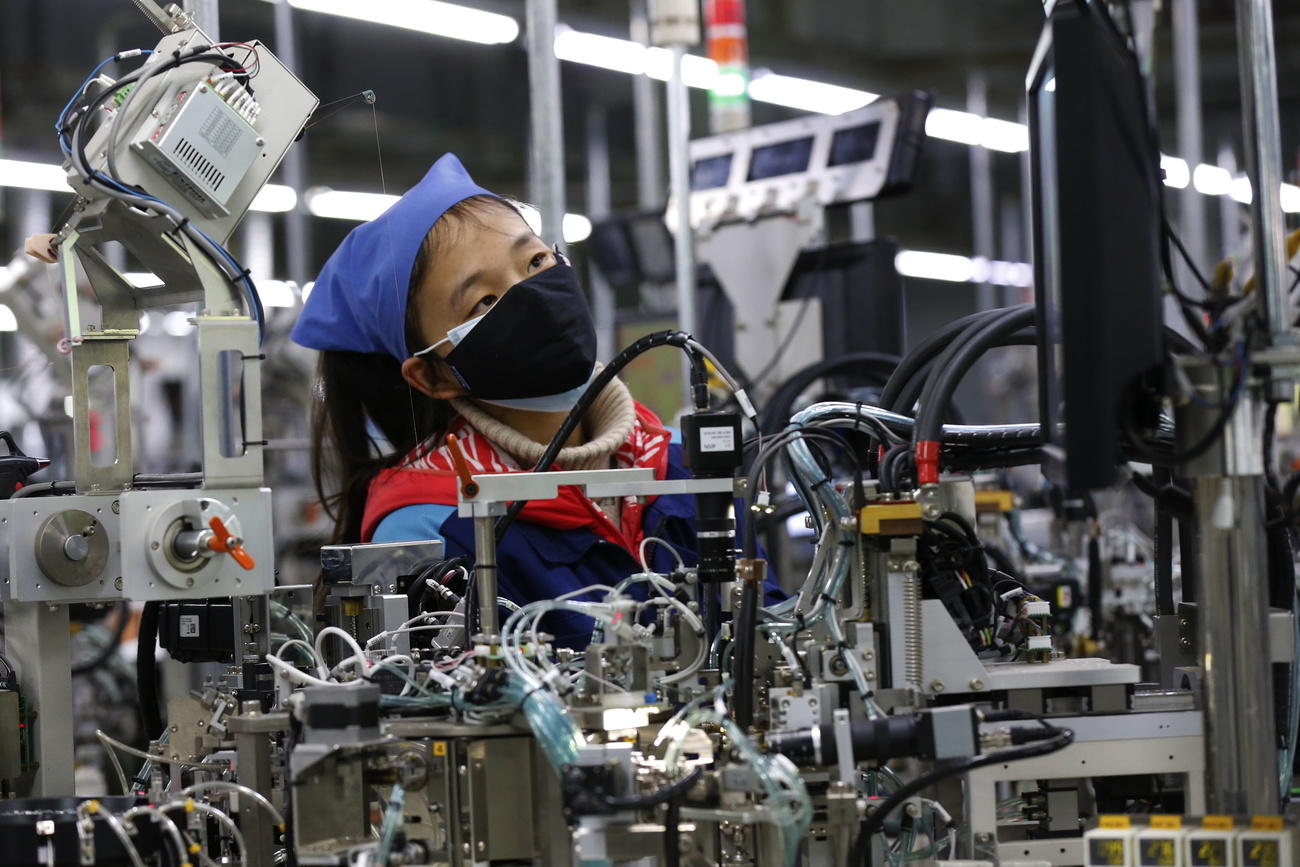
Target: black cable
(41,489)
(924,352)
(699,388)
(956,362)
(912,389)
(114,642)
(146,670)
(663,795)
(875,821)
(866,365)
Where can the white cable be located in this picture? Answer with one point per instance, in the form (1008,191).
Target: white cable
(645,565)
(290,671)
(237,789)
(311,651)
(357,659)
(419,618)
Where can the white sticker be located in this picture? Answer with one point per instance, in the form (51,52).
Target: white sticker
(189,626)
(717,439)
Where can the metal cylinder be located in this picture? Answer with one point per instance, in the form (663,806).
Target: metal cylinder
(546,114)
(679,179)
(1257,68)
(1241,758)
(485,574)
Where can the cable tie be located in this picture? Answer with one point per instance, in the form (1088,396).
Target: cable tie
(261,356)
(831,600)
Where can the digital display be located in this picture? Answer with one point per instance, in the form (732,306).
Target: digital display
(857,144)
(711,172)
(785,158)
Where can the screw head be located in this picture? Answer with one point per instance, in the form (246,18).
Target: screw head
(936,686)
(117,507)
(117,584)
(976,684)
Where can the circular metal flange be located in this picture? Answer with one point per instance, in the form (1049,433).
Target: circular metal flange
(161,548)
(72,548)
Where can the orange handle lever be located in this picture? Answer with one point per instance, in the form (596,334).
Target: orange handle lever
(228,544)
(468,486)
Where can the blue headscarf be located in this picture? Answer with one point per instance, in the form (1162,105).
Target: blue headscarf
(359,301)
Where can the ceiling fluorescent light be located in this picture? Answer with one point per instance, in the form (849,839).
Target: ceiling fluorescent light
(1291,198)
(426,16)
(697,71)
(620,55)
(971,129)
(33,176)
(342,205)
(8,322)
(1177,174)
(274,199)
(808,95)
(1212,180)
(935,266)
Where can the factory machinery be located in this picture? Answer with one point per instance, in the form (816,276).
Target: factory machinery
(916,698)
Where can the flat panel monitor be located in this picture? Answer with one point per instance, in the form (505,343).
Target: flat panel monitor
(1096,232)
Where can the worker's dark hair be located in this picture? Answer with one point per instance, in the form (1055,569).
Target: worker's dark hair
(366,417)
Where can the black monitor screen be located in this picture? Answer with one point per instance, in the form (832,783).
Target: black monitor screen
(711,172)
(785,158)
(1096,199)
(653,246)
(857,144)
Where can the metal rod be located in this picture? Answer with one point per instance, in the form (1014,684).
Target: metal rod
(983,219)
(546,119)
(485,573)
(1257,68)
(1241,758)
(598,209)
(207,15)
(1232,564)
(649,124)
(36,641)
(297,231)
(679,178)
(1187,94)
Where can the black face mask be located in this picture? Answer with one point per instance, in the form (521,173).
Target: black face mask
(536,340)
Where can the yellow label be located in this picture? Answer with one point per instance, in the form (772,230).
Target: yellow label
(1217,823)
(440,748)
(1108,851)
(994,501)
(1114,822)
(1158,852)
(1266,823)
(1209,853)
(1166,823)
(1261,853)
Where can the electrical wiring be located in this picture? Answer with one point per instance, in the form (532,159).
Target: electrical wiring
(92,809)
(112,743)
(875,820)
(113,187)
(220,817)
(641,552)
(165,822)
(237,789)
(392,821)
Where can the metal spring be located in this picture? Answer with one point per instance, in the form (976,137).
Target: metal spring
(913,645)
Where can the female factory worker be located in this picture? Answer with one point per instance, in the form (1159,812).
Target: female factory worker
(448,315)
